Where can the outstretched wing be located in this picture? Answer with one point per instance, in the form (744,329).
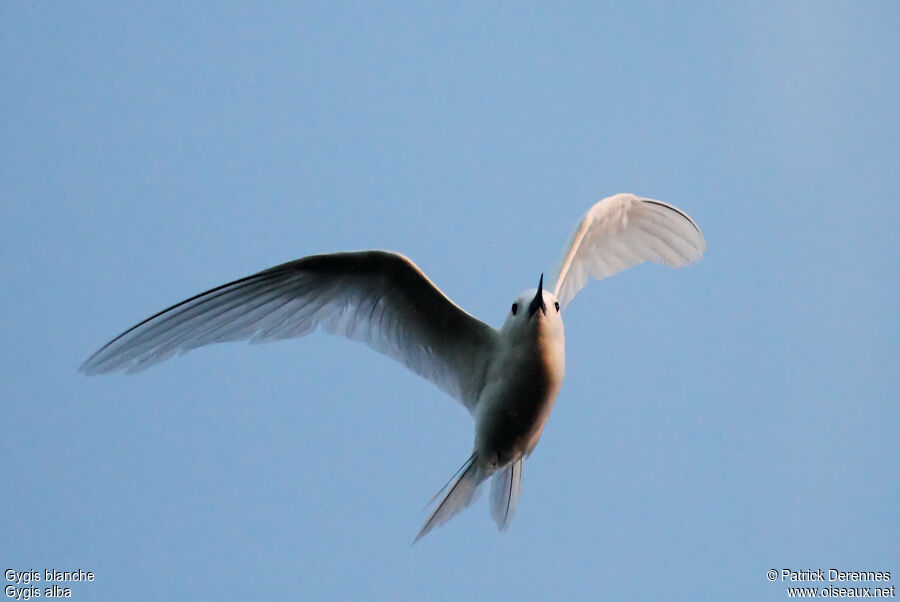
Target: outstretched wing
(379,298)
(622,231)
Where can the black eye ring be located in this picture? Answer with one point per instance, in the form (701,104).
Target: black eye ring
(515,308)
(556,303)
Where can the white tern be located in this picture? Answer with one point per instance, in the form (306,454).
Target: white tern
(508,379)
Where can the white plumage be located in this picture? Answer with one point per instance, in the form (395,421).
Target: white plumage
(508,379)
(620,232)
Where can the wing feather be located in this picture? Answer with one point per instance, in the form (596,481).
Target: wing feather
(620,232)
(379,298)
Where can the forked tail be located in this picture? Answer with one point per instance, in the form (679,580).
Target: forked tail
(506,487)
(460,490)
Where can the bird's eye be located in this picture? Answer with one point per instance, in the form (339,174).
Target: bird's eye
(556,303)
(515,308)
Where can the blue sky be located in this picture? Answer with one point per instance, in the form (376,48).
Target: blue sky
(717,421)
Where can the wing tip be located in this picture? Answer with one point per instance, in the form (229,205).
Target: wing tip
(90,367)
(679,212)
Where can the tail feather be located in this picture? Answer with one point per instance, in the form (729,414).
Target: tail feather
(461,491)
(506,487)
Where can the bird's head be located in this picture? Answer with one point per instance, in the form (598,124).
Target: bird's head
(534,311)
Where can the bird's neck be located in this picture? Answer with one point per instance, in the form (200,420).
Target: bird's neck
(538,348)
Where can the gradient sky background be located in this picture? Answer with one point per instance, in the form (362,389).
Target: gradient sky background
(735,416)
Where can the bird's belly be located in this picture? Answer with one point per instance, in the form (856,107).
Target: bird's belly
(512,415)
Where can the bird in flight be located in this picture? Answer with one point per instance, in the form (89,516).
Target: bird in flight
(507,379)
